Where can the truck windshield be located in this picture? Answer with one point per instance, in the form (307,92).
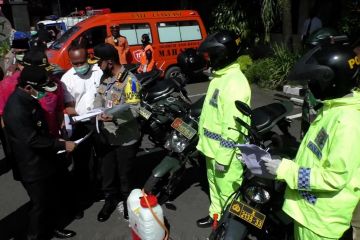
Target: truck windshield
(60,42)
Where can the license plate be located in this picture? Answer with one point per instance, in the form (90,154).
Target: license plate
(183,128)
(145,113)
(247,213)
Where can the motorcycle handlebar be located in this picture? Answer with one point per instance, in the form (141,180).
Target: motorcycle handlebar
(251,131)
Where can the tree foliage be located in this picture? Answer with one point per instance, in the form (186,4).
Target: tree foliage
(268,14)
(249,19)
(350,22)
(239,16)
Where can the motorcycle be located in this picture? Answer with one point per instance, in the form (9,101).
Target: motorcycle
(181,144)
(255,210)
(162,101)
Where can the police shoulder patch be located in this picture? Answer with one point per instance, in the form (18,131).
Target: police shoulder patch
(321,138)
(214,98)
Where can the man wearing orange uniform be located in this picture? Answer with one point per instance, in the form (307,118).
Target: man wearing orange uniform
(147,62)
(119,42)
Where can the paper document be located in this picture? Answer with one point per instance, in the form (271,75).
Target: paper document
(68,125)
(80,140)
(88,115)
(116,110)
(253,157)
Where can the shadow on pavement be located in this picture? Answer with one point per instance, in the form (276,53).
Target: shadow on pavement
(4,166)
(14,225)
(146,160)
(193,175)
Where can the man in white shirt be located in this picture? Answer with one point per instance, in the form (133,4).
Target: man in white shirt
(80,82)
(80,85)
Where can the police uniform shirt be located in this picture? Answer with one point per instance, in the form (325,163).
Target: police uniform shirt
(117,90)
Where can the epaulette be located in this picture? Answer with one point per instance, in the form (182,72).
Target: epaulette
(122,75)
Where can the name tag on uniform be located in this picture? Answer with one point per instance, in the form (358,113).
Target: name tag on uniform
(109,104)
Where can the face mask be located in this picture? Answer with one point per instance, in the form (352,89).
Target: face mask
(33,33)
(19,57)
(39,95)
(82,70)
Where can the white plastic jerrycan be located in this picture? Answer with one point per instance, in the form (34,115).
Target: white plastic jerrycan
(142,221)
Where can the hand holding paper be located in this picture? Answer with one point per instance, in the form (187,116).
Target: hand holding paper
(70,146)
(259,161)
(272,165)
(105,118)
(77,142)
(88,115)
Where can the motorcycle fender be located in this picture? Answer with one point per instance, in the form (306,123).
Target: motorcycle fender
(168,164)
(229,228)
(236,230)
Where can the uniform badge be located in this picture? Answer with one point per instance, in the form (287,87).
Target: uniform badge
(214,98)
(101,89)
(115,96)
(321,138)
(107,80)
(109,104)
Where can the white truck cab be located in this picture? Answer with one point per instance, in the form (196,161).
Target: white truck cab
(63,24)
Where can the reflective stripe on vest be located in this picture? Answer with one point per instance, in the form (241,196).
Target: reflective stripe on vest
(217,137)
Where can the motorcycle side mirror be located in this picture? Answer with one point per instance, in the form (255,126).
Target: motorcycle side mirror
(243,108)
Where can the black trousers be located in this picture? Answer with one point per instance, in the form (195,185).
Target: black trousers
(85,165)
(3,140)
(50,206)
(4,163)
(116,165)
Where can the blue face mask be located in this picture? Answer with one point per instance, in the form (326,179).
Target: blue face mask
(82,70)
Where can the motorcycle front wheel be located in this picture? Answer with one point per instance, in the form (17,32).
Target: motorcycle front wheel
(229,229)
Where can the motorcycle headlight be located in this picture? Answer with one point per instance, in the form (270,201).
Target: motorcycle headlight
(257,194)
(176,142)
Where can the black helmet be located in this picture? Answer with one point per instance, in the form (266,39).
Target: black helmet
(105,51)
(331,71)
(319,36)
(221,47)
(190,61)
(145,39)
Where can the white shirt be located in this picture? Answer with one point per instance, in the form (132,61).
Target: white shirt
(81,89)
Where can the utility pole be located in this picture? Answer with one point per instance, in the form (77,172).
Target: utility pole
(20,14)
(59,6)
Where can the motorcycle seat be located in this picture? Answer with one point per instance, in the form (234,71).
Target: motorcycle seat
(266,116)
(196,107)
(159,90)
(149,77)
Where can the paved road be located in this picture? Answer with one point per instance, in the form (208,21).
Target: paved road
(192,203)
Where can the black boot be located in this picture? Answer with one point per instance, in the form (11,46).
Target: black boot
(107,209)
(205,222)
